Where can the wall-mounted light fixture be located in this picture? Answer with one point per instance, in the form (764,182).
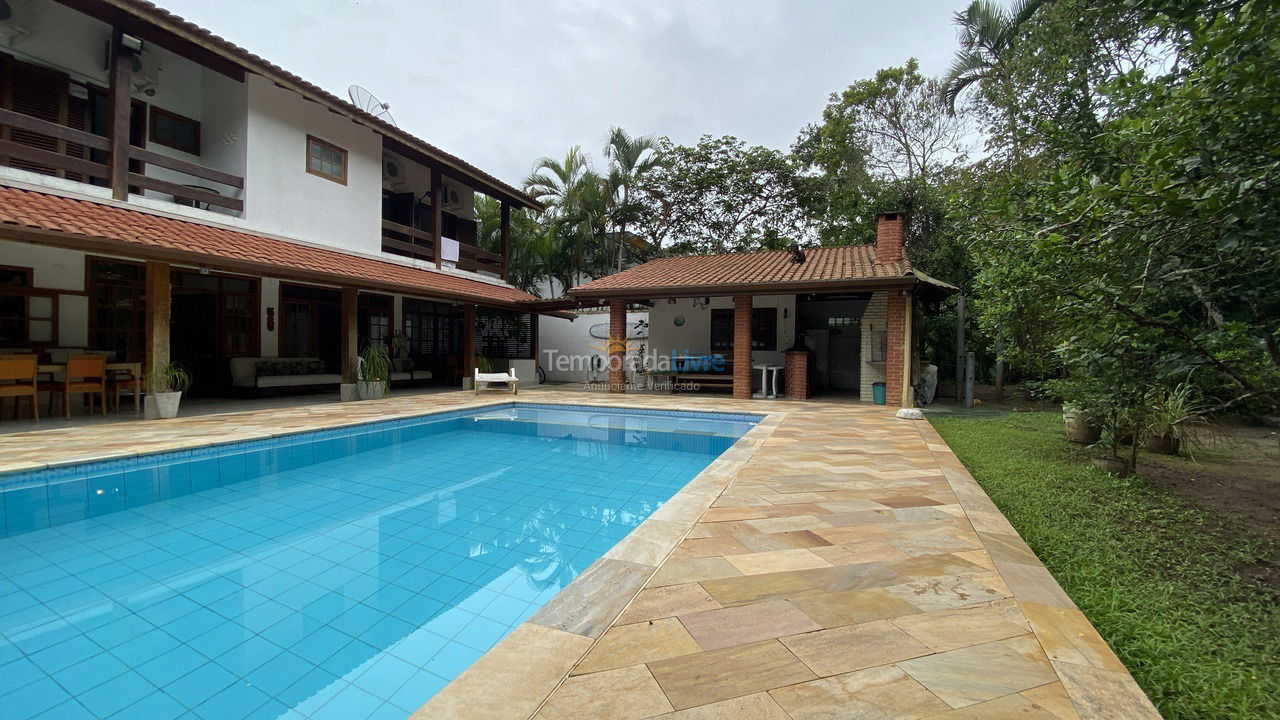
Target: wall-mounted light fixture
(271,319)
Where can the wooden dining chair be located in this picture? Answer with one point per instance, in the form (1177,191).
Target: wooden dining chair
(85,374)
(121,383)
(18,380)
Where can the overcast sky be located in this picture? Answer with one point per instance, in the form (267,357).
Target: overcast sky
(503,83)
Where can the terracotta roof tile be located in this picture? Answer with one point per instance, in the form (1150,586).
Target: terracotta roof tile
(825,264)
(139,232)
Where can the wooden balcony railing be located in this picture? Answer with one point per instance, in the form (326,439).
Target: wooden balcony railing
(420,245)
(407,241)
(78,165)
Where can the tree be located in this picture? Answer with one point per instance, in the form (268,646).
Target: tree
(721,195)
(987,30)
(883,144)
(630,159)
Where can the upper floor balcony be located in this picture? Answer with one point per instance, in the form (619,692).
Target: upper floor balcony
(57,125)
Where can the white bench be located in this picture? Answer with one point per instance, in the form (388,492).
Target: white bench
(508,378)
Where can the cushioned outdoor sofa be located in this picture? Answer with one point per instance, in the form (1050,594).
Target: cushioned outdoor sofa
(265,375)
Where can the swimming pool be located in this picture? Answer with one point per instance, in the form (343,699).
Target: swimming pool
(346,573)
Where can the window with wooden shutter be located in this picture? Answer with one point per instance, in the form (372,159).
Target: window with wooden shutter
(41,93)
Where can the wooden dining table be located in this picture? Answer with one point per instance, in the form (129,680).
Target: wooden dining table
(134,369)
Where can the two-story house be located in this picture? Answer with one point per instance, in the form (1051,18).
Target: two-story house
(167,195)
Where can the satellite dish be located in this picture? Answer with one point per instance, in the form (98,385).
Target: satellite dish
(368,102)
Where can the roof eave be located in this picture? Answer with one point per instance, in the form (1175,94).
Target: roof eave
(192,33)
(772,288)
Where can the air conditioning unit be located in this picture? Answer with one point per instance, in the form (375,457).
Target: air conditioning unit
(392,169)
(18,20)
(452,202)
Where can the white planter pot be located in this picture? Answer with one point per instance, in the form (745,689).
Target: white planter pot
(371,390)
(468,382)
(167,404)
(347,392)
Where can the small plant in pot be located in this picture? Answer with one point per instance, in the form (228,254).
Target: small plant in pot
(167,383)
(373,372)
(1175,419)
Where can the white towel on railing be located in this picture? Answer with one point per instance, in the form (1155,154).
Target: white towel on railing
(448,249)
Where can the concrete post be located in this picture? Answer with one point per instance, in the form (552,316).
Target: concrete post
(968,379)
(960,319)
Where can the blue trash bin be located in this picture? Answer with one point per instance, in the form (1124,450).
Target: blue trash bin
(877,393)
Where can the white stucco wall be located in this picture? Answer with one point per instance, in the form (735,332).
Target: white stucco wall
(283,198)
(559,337)
(695,335)
(873,320)
(56,269)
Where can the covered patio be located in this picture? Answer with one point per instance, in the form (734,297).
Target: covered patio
(831,320)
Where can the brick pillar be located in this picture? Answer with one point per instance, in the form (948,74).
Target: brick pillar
(895,342)
(796,375)
(742,346)
(617,346)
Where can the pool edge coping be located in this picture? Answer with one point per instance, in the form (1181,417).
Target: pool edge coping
(473,693)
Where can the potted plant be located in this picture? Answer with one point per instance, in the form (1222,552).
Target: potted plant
(1081,427)
(373,372)
(1174,418)
(167,382)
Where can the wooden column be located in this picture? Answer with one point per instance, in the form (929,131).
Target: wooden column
(159,305)
(908,357)
(119,109)
(468,340)
(617,346)
(505,233)
(437,221)
(350,334)
(742,346)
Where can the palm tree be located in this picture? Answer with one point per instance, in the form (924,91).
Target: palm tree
(630,157)
(986,31)
(552,180)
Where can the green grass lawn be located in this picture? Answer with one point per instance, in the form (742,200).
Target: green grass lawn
(1159,579)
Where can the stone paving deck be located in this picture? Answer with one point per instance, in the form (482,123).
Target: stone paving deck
(837,562)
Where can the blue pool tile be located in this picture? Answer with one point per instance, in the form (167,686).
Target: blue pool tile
(116,694)
(90,673)
(201,684)
(240,699)
(249,655)
(415,691)
(104,494)
(17,674)
(171,665)
(156,706)
(141,486)
(36,697)
(65,654)
(26,508)
(67,710)
(310,686)
(146,646)
(277,674)
(350,702)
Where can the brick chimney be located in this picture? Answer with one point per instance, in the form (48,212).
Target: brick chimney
(888,238)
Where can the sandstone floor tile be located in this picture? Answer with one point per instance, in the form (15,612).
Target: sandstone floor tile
(776,561)
(855,647)
(853,577)
(863,552)
(616,694)
(850,534)
(715,629)
(977,557)
(784,524)
(676,572)
(748,707)
(728,514)
(708,547)
(945,593)
(708,677)
(650,543)
(1068,636)
(905,501)
(933,544)
(944,630)
(940,565)
(1008,707)
(1033,583)
(667,601)
(852,607)
(767,542)
(983,672)
(1008,548)
(747,589)
(875,693)
(1053,697)
(1103,694)
(640,642)
(595,598)
(510,680)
